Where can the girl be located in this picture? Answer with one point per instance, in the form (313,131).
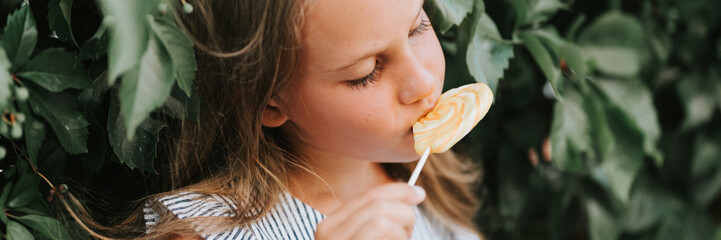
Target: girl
(306,129)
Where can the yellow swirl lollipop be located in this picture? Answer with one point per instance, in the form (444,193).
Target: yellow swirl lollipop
(457,111)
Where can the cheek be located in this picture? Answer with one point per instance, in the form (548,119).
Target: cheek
(435,60)
(325,113)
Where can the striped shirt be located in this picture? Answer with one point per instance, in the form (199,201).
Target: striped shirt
(289,218)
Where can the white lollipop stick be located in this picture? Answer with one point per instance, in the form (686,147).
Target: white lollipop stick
(419,166)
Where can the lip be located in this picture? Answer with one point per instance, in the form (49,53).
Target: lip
(409,134)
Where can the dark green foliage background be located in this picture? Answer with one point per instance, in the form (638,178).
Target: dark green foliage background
(625,94)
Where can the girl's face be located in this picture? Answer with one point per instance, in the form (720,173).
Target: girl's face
(369,69)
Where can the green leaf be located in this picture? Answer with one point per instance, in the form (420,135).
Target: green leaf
(452,12)
(602,225)
(520,8)
(706,167)
(97,45)
(550,39)
(181,107)
(24,197)
(139,150)
(59,20)
(647,205)
(4,195)
(541,10)
(572,31)
(543,58)
(32,209)
(19,37)
(575,59)
(698,98)
(34,133)
(706,153)
(635,101)
(600,131)
(56,70)
(25,190)
(626,156)
(488,54)
(614,61)
(570,133)
(5,79)
(706,189)
(17,231)
(61,112)
(97,145)
(92,97)
(615,29)
(47,226)
(181,52)
(147,88)
(686,223)
(128,34)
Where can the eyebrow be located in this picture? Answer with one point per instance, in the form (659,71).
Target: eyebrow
(371,53)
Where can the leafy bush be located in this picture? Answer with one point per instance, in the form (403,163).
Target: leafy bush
(605,126)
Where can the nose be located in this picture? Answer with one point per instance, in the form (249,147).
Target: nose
(419,84)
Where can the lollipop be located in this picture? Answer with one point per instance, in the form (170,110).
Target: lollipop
(458,110)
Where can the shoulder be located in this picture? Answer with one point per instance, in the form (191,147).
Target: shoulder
(188,204)
(194,206)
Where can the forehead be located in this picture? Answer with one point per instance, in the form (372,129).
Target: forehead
(336,31)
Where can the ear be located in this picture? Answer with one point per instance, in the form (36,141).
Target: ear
(272,116)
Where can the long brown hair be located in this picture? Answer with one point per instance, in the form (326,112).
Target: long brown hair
(247,51)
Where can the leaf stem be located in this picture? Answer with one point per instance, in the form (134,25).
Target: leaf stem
(39,174)
(16,79)
(35,170)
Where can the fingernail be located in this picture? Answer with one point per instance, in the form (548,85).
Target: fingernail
(419,191)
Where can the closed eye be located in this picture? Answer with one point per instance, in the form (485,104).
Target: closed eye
(375,74)
(425,25)
(368,79)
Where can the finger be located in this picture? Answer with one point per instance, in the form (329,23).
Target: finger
(399,192)
(375,213)
(382,228)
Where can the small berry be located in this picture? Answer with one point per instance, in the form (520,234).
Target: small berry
(3,152)
(17,131)
(20,118)
(63,188)
(50,196)
(187,8)
(22,93)
(162,7)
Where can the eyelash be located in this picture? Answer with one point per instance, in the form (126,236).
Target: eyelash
(375,74)
(370,78)
(425,25)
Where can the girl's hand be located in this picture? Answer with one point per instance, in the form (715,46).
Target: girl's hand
(384,212)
